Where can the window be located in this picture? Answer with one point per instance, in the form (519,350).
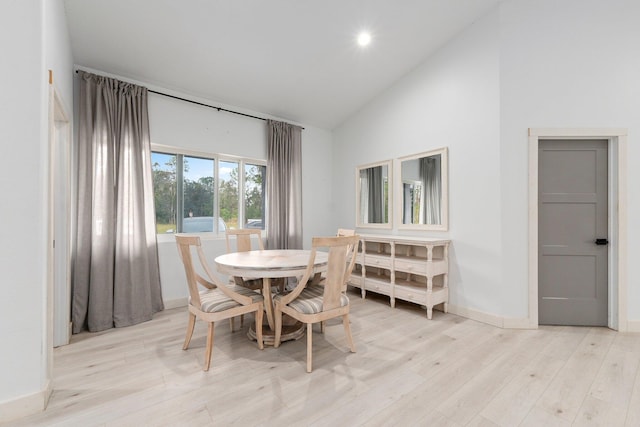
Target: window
(195,193)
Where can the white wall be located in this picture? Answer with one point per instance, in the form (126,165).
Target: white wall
(33,39)
(451,100)
(58,52)
(318,208)
(178,123)
(22,260)
(564,64)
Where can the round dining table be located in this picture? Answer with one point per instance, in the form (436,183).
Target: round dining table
(267,265)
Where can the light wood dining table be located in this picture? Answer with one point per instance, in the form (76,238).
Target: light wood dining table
(267,265)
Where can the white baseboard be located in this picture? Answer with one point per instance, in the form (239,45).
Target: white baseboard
(633,325)
(491,319)
(476,315)
(175,303)
(25,405)
(518,323)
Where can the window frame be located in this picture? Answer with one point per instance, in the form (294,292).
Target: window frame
(217,158)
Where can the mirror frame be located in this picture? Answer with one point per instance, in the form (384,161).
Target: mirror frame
(389,224)
(444,170)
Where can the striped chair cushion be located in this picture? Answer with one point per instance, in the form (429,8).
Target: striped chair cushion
(310,300)
(214,301)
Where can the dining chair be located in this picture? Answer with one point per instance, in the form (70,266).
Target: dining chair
(243,243)
(312,303)
(216,301)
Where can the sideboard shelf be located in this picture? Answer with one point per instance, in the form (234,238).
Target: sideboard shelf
(406,268)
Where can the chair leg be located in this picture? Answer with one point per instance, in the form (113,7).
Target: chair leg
(278,327)
(259,315)
(209,350)
(309,345)
(347,330)
(316,278)
(322,326)
(232,322)
(190,326)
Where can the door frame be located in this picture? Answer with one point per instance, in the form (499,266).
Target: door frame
(59,298)
(617,210)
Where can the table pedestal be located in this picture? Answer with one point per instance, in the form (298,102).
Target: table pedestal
(291,330)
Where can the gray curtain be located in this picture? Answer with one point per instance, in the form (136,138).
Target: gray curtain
(116,279)
(372,195)
(376,195)
(284,185)
(432,187)
(364,197)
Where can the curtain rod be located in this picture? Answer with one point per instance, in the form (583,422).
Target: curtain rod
(211,106)
(207,105)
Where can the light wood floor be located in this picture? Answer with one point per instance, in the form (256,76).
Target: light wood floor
(449,371)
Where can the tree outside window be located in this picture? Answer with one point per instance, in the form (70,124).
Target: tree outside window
(254,191)
(229,193)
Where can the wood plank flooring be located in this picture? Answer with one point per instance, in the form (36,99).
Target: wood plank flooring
(449,371)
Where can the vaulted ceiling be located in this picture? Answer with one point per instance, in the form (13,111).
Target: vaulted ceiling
(293,59)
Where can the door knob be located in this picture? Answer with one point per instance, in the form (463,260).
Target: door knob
(602,242)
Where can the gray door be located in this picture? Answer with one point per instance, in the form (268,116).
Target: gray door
(572,215)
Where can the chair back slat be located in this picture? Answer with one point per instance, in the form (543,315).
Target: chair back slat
(334,277)
(243,239)
(185,243)
(341,233)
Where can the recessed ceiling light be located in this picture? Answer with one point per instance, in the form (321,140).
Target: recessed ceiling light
(364,38)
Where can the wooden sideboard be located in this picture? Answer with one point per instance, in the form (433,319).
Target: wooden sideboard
(408,268)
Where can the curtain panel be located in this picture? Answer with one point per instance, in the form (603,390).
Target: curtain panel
(376,195)
(431,177)
(116,280)
(284,185)
(364,197)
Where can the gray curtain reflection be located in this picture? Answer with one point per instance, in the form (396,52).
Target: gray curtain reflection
(407,200)
(116,278)
(372,195)
(284,185)
(432,189)
(376,195)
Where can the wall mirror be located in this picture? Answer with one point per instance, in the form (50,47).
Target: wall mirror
(373,195)
(424,191)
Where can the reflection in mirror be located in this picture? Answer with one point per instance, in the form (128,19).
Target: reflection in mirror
(373,195)
(424,190)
